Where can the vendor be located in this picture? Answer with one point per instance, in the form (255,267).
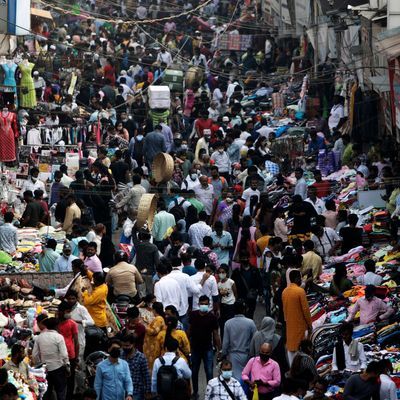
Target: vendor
(33,182)
(340,283)
(17,363)
(371,308)
(326,241)
(348,353)
(48,256)
(370,277)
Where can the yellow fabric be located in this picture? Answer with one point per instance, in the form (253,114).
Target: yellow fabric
(96,304)
(255,393)
(180,336)
(150,345)
(313,262)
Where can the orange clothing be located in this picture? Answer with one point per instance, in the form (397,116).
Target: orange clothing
(150,345)
(180,336)
(297,315)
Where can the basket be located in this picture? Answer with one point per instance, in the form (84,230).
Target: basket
(163,167)
(146,211)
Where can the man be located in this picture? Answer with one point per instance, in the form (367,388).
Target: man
(248,194)
(33,213)
(205,194)
(64,262)
(133,326)
(218,182)
(124,277)
(371,308)
(238,333)
(302,213)
(113,378)
(56,188)
(132,199)
(17,363)
(69,331)
(270,166)
(316,202)
(315,144)
(48,256)
(348,353)
(222,164)
(326,241)
(8,234)
(138,368)
(91,260)
(163,221)
(199,230)
(323,187)
(336,116)
(222,243)
(39,84)
(351,235)
(370,277)
(219,388)
(388,389)
(203,143)
(168,136)
(320,388)
(119,168)
(312,263)
(169,358)
(296,313)
(199,60)
(154,143)
(50,349)
(80,315)
(33,182)
(363,386)
(263,372)
(191,181)
(301,185)
(165,57)
(65,180)
(203,336)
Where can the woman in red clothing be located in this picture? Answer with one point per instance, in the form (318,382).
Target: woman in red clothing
(249,246)
(109,71)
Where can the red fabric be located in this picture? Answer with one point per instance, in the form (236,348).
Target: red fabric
(8,133)
(323,188)
(202,124)
(68,329)
(109,73)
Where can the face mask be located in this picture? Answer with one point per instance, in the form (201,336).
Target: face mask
(203,308)
(67,315)
(226,374)
(184,147)
(264,357)
(193,177)
(222,276)
(115,353)
(220,151)
(139,137)
(229,199)
(198,172)
(33,179)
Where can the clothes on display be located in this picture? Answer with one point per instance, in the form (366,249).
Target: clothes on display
(27,92)
(8,134)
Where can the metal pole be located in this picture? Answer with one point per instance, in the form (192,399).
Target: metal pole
(315,21)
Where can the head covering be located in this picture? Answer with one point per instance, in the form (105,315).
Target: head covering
(266,334)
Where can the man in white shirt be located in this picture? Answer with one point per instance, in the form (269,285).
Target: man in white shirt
(317,203)
(301,185)
(33,183)
(326,241)
(205,193)
(370,277)
(231,89)
(164,57)
(337,113)
(167,290)
(250,192)
(199,60)
(221,159)
(191,181)
(213,112)
(199,230)
(65,180)
(388,390)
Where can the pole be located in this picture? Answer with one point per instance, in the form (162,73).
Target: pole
(315,22)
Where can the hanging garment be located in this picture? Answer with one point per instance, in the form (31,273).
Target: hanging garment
(9,78)
(8,133)
(27,93)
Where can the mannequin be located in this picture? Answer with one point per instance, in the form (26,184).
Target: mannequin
(27,92)
(10,85)
(8,134)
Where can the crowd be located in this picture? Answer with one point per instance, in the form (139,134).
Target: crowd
(254,258)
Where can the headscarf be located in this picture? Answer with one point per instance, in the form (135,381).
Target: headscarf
(266,334)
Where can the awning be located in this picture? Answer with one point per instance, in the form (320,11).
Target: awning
(380,83)
(390,46)
(41,13)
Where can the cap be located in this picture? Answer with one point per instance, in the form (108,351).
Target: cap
(67,247)
(52,47)
(35,73)
(225,119)
(123,72)
(177,135)
(68,37)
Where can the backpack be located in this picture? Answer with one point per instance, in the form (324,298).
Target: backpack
(166,377)
(177,210)
(198,254)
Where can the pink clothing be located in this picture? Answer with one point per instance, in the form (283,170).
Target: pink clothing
(93,264)
(370,310)
(330,219)
(267,373)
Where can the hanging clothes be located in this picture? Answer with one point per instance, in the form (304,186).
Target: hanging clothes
(9,82)
(8,133)
(28,93)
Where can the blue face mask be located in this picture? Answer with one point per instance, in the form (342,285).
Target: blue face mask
(203,307)
(226,374)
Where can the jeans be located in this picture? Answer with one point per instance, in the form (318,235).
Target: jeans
(208,360)
(57,381)
(185,321)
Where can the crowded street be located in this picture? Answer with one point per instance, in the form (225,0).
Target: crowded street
(199,200)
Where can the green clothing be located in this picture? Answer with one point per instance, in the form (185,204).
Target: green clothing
(163,220)
(47,260)
(391,204)
(197,204)
(348,155)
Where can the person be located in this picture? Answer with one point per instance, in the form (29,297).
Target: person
(17,364)
(91,260)
(69,331)
(301,185)
(96,301)
(266,334)
(319,390)
(73,212)
(48,256)
(64,262)
(303,214)
(238,333)
(371,308)
(228,295)
(336,116)
(65,180)
(138,368)
(316,202)
(188,268)
(264,372)
(33,213)
(303,366)
(247,195)
(203,335)
(119,168)
(225,386)
(331,216)
(113,378)
(370,277)
(163,221)
(205,194)
(8,234)
(133,326)
(323,188)
(365,385)
(9,392)
(326,241)
(132,199)
(33,183)
(312,262)
(154,143)
(50,349)
(124,277)
(348,353)
(296,313)
(340,283)
(199,230)
(222,243)
(351,235)
(388,389)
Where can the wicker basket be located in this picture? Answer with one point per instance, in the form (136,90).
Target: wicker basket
(163,167)
(146,211)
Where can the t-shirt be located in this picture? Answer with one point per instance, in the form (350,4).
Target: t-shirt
(337,113)
(35,213)
(357,388)
(248,193)
(119,170)
(189,270)
(201,330)
(68,329)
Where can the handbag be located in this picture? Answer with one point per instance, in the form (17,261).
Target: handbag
(231,395)
(251,292)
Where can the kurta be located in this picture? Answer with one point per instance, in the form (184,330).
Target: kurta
(180,336)
(150,345)
(8,134)
(27,93)
(297,315)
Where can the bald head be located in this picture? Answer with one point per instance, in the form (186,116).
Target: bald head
(265,352)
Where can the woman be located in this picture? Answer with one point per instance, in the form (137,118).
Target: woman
(228,295)
(171,331)
(340,283)
(224,209)
(303,365)
(280,227)
(171,311)
(264,215)
(234,222)
(266,334)
(246,245)
(191,216)
(153,329)
(146,309)
(122,132)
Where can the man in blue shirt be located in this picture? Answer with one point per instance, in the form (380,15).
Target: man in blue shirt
(316,143)
(63,263)
(113,378)
(222,243)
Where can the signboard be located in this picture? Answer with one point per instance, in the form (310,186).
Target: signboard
(19,17)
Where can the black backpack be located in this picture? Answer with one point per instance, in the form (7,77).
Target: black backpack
(177,210)
(167,376)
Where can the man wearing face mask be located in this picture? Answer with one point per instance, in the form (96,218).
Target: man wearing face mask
(113,377)
(205,194)
(203,334)
(203,143)
(263,372)
(63,263)
(191,181)
(33,182)
(225,387)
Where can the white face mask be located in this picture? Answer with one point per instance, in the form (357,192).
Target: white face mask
(139,137)
(33,179)
(222,276)
(193,177)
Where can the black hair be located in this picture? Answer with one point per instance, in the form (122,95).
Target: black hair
(204,298)
(132,312)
